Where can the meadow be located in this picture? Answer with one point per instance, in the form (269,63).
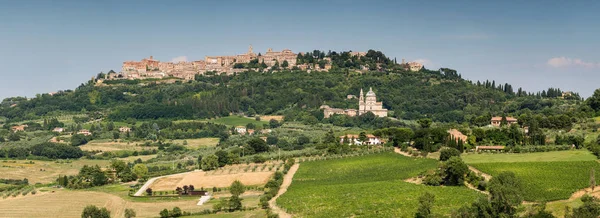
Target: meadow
(546,181)
(370,186)
(197,143)
(551,156)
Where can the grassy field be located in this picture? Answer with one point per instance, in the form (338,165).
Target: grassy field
(552,156)
(369,186)
(198,143)
(66,203)
(546,181)
(44,171)
(597,119)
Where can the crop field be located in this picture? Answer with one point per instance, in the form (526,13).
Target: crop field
(254,174)
(369,186)
(551,156)
(546,181)
(198,143)
(64,203)
(44,171)
(109,145)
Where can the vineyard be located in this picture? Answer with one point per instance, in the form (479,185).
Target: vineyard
(547,181)
(369,186)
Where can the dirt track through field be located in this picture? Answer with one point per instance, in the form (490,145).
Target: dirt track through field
(287,181)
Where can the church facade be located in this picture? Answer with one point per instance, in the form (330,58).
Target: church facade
(366,103)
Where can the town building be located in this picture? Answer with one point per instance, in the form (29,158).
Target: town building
(84,132)
(124,129)
(457,135)
(414,66)
(354,139)
(496,121)
(151,68)
(19,128)
(366,103)
(240,130)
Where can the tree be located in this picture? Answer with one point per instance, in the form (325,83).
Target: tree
(455,170)
(237,188)
(505,191)
(362,137)
(140,170)
(274,123)
(91,211)
(447,153)
(329,137)
(272,140)
(594,100)
(258,145)
(592,179)
(589,209)
(149,191)
(129,213)
(285,64)
(164,213)
(425,204)
(424,123)
(211,162)
(176,212)
(78,139)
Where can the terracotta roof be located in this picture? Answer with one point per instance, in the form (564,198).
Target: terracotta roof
(507,119)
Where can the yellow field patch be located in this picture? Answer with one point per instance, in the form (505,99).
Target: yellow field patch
(198,143)
(44,171)
(65,203)
(251,174)
(202,179)
(271,117)
(114,146)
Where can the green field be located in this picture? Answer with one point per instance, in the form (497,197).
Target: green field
(551,156)
(238,121)
(369,186)
(546,181)
(231,121)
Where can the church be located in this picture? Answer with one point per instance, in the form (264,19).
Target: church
(366,103)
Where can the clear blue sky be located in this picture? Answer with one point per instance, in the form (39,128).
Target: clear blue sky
(55,45)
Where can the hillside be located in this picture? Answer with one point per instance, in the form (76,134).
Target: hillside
(440,95)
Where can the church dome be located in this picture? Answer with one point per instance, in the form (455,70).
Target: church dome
(370,93)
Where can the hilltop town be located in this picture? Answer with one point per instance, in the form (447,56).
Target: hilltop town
(270,60)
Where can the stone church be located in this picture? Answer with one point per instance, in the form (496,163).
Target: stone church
(366,103)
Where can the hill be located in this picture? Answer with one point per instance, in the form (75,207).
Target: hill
(441,95)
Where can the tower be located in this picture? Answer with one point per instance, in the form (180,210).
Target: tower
(361,103)
(250,49)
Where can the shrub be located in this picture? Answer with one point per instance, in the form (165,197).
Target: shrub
(447,153)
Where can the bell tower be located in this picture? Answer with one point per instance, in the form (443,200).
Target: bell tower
(250,51)
(361,103)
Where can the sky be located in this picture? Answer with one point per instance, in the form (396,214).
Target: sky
(46,46)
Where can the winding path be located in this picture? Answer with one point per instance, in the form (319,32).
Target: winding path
(287,181)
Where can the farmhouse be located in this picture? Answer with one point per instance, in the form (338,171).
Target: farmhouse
(58,130)
(354,139)
(124,129)
(18,128)
(496,121)
(84,132)
(240,130)
(457,135)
